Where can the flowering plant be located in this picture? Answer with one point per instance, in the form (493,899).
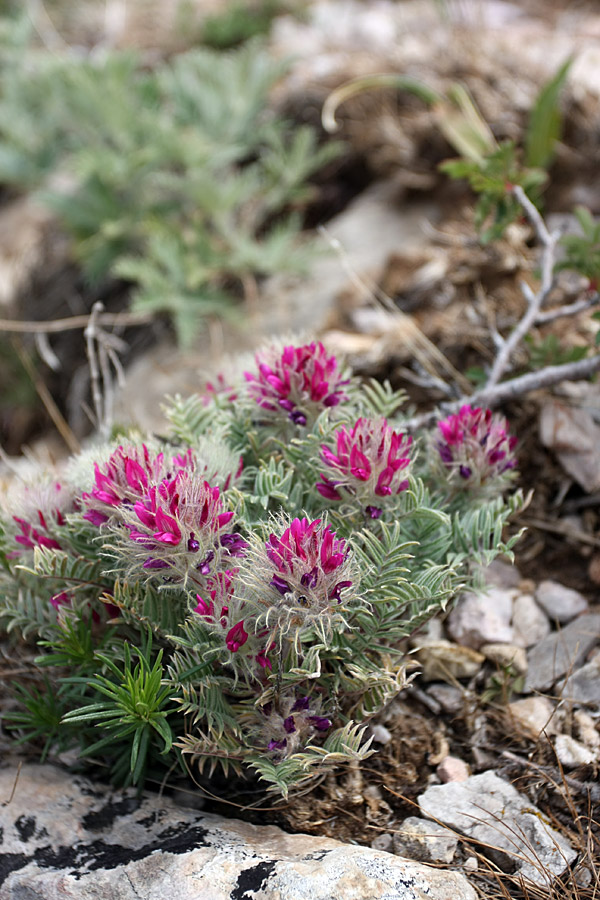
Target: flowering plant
(238,593)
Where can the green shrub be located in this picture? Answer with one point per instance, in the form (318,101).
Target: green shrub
(237,594)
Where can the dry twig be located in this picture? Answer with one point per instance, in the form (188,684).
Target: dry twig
(102,348)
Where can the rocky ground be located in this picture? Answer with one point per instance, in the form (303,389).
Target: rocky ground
(487,765)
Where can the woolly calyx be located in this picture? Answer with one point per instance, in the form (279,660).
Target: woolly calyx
(474,450)
(296,383)
(302,580)
(369,462)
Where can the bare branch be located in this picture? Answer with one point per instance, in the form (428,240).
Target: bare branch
(509,390)
(47,399)
(570,310)
(535,300)
(532,381)
(102,348)
(75,322)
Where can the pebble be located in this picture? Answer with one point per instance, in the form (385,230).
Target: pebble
(482,618)
(505,655)
(425,841)
(559,602)
(530,623)
(452,768)
(500,574)
(533,715)
(450,698)
(383,842)
(561,652)
(445,661)
(585,729)
(381,735)
(583,685)
(470,864)
(571,753)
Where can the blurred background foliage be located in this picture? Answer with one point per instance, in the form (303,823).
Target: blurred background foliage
(179,178)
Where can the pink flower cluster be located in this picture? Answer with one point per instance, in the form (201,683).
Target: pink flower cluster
(46,507)
(369,462)
(220,589)
(300,381)
(309,560)
(475,446)
(125,478)
(170,511)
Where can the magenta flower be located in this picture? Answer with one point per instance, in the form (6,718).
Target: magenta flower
(309,571)
(474,447)
(220,589)
(43,509)
(216,612)
(300,381)
(61,599)
(369,462)
(31,537)
(181,524)
(124,479)
(236,637)
(220,387)
(289,726)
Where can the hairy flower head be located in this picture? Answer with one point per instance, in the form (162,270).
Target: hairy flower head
(302,579)
(296,382)
(474,449)
(38,513)
(182,525)
(369,462)
(131,472)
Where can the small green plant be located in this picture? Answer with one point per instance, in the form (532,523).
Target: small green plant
(180,179)
(237,594)
(240,22)
(582,251)
(549,351)
(491,169)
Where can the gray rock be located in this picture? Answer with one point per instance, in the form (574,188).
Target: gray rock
(482,618)
(65,838)
(490,810)
(501,574)
(529,621)
(425,841)
(559,602)
(445,661)
(561,652)
(583,685)
(450,698)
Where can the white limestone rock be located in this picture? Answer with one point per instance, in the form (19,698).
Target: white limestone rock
(533,715)
(572,753)
(506,656)
(65,838)
(445,661)
(425,841)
